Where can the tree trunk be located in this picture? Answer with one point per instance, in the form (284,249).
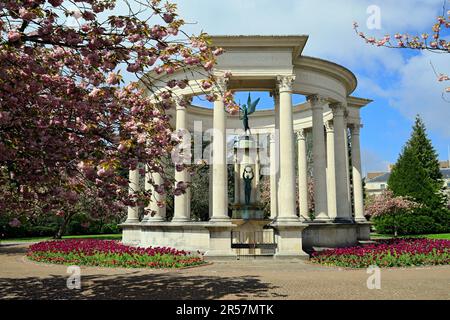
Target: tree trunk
(62,227)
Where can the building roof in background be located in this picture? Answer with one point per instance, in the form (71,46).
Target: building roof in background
(444,164)
(380,178)
(384,177)
(373,175)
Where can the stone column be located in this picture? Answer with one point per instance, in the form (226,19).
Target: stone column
(343,209)
(157,199)
(347,165)
(133,187)
(273,177)
(181,202)
(288,227)
(276,101)
(210,190)
(319,168)
(331,171)
(302,175)
(287,208)
(357,175)
(220,190)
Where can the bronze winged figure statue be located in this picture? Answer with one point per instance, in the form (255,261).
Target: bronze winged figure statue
(247,110)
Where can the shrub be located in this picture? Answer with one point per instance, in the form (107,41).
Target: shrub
(406,224)
(421,220)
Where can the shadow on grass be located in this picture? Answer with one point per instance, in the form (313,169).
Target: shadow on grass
(170,286)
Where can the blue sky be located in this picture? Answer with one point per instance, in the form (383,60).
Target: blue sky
(401,83)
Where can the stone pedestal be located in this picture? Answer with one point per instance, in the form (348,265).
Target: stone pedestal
(363,231)
(131,233)
(220,241)
(330,235)
(288,237)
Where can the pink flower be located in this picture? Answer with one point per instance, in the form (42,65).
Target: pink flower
(113,78)
(15,223)
(218,51)
(13,36)
(206,84)
(55,3)
(168,18)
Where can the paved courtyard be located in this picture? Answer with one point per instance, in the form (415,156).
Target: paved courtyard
(245,279)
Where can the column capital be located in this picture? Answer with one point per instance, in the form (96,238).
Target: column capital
(355,128)
(182,101)
(275,94)
(329,125)
(316,100)
(301,134)
(338,108)
(284,83)
(221,84)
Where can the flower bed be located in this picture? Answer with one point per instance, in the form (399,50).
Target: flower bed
(388,253)
(109,253)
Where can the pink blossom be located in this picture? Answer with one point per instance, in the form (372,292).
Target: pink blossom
(14,36)
(15,223)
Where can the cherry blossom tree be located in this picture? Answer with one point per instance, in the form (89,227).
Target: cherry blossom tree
(388,204)
(70,127)
(434,41)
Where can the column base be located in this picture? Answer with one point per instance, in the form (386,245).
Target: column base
(288,236)
(361,220)
(180,220)
(220,240)
(131,221)
(322,220)
(223,219)
(343,220)
(153,220)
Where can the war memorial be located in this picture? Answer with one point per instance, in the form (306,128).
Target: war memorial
(271,143)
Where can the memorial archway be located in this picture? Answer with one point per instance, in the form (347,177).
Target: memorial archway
(274,64)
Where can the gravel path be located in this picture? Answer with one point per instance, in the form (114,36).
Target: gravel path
(245,279)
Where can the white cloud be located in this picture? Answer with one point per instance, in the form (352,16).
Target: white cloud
(408,84)
(418,91)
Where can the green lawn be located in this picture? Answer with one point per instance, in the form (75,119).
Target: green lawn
(428,236)
(98,236)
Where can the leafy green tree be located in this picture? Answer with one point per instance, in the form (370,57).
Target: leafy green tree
(425,152)
(416,173)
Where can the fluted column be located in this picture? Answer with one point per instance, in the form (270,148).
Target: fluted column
(276,137)
(273,176)
(331,171)
(342,204)
(287,210)
(133,188)
(210,190)
(319,165)
(181,213)
(302,175)
(156,206)
(347,165)
(357,175)
(220,192)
